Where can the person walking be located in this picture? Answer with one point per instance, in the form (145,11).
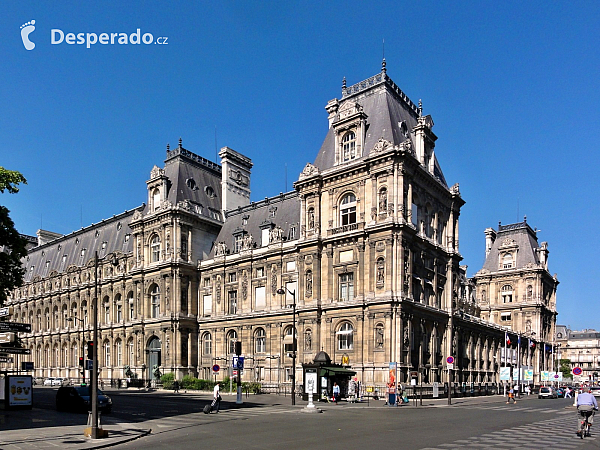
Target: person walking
(336,392)
(511,396)
(567,392)
(527,390)
(176,387)
(217,397)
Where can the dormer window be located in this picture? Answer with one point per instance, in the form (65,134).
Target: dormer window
(349,146)
(507,261)
(155,199)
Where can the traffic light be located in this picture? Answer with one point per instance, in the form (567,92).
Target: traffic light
(81,361)
(90,349)
(238,348)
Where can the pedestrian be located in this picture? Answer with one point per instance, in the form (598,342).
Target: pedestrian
(567,392)
(217,397)
(511,396)
(176,387)
(527,390)
(336,392)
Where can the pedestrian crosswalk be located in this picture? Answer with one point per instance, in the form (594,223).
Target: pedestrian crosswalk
(558,432)
(177,421)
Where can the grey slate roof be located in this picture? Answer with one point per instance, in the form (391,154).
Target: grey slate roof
(386,107)
(286,209)
(65,251)
(526,239)
(190,177)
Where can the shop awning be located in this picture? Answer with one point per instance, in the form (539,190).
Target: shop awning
(329,371)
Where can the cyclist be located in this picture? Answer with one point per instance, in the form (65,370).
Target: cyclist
(586,405)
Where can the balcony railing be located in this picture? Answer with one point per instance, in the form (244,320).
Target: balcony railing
(346,228)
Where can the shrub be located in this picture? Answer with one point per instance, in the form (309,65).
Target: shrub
(167,380)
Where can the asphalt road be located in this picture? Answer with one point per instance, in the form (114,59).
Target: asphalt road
(270,422)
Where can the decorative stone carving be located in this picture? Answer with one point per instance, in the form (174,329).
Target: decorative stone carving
(407,146)
(308,171)
(381,145)
(220,249)
(156,172)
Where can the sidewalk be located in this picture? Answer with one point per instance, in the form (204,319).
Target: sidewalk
(37,428)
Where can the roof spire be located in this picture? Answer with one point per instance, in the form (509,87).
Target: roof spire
(344,83)
(383,69)
(180,142)
(168,146)
(383,64)
(420,108)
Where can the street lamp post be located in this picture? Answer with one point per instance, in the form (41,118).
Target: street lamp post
(95,434)
(73,319)
(281,291)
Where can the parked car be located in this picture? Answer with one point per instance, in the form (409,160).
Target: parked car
(37,380)
(595,391)
(78,398)
(547,392)
(560,392)
(49,381)
(58,381)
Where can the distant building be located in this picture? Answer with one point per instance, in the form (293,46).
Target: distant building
(515,289)
(582,348)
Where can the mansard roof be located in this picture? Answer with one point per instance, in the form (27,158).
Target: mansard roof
(282,211)
(388,110)
(58,255)
(517,235)
(193,178)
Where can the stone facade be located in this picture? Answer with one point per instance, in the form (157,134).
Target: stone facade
(365,249)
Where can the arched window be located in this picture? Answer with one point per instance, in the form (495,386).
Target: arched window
(345,337)
(232,338)
(260,341)
(155,199)
(348,209)
(507,261)
(206,344)
(155,301)
(507,293)
(155,249)
(349,146)
(106,348)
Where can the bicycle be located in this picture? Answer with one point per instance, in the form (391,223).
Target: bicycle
(585,424)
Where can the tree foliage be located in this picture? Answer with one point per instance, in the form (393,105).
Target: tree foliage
(565,367)
(12,244)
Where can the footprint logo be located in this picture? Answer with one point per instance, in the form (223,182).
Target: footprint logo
(26,30)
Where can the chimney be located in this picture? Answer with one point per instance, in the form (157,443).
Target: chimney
(490,238)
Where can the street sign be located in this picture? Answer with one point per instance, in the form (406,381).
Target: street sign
(450,366)
(7,338)
(90,364)
(216,368)
(577,371)
(15,326)
(6,311)
(15,350)
(6,359)
(450,359)
(26,365)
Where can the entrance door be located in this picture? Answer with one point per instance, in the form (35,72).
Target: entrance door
(153,356)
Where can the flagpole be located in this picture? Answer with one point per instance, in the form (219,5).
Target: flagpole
(519,365)
(505,356)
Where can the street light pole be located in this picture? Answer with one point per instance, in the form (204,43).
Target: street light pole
(293,294)
(94,434)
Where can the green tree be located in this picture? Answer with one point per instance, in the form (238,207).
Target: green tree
(565,368)
(12,244)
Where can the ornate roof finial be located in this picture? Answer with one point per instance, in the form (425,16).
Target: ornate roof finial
(525,219)
(344,83)
(168,146)
(383,64)
(420,108)
(180,142)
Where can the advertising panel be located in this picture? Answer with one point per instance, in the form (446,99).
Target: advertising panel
(20,392)
(528,375)
(544,375)
(504,373)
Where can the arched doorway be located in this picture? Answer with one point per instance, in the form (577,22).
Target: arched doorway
(154,358)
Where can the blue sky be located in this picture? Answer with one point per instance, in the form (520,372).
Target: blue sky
(512,88)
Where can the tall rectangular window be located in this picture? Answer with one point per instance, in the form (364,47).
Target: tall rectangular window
(259,298)
(346,286)
(119,313)
(232,302)
(207,300)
